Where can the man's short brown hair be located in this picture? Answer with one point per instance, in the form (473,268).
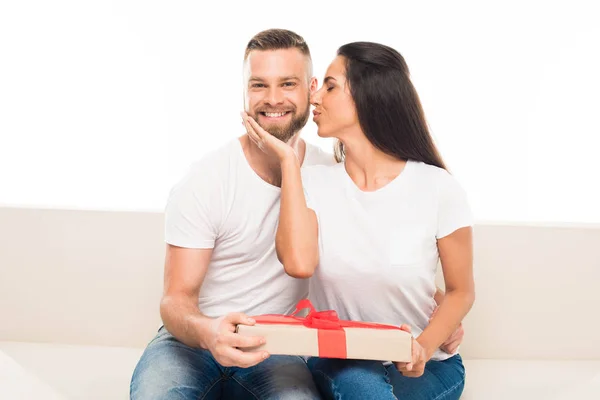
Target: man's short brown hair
(277,39)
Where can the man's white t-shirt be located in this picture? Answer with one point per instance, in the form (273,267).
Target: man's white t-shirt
(378,253)
(224,205)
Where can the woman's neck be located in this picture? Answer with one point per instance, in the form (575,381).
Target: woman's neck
(369,167)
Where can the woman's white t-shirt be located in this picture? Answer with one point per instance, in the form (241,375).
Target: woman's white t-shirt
(378,250)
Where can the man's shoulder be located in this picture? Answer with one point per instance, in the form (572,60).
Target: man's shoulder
(218,156)
(315,155)
(321,176)
(209,169)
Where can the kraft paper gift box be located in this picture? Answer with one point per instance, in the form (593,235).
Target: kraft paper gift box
(323,334)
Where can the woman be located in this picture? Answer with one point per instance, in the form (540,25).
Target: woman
(370,230)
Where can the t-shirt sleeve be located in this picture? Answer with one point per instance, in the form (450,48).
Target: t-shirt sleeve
(454,211)
(190,214)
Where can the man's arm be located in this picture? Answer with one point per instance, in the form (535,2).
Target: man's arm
(438,296)
(185,270)
(451,344)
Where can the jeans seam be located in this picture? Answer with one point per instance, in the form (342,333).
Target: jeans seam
(248,390)
(331,382)
(210,388)
(447,391)
(389,382)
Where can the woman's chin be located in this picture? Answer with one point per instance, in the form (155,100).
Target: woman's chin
(322,133)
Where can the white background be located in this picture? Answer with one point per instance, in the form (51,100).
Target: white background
(104,104)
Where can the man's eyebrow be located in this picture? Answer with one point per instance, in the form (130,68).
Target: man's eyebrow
(283,78)
(289,78)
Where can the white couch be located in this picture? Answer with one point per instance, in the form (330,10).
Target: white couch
(79,295)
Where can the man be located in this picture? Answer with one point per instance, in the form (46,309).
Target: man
(221,264)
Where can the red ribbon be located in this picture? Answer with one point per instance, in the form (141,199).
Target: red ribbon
(331,334)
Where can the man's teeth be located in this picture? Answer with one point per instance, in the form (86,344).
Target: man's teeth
(273,115)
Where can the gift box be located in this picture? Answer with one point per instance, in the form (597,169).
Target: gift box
(323,334)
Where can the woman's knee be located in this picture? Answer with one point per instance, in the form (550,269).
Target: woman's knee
(348,379)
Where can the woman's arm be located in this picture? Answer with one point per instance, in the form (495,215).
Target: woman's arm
(297,233)
(456,255)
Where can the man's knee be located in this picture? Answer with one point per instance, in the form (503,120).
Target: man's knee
(170,370)
(150,380)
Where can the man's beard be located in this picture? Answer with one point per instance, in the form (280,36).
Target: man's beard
(286,132)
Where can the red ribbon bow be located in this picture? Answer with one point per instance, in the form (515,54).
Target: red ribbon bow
(317,319)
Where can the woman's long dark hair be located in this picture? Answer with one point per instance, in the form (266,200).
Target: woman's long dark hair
(388,106)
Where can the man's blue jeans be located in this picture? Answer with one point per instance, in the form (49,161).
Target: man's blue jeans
(362,379)
(170,370)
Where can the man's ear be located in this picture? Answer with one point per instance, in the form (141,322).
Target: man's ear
(314,85)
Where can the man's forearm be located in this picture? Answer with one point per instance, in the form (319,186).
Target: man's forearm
(438,296)
(184,320)
(449,315)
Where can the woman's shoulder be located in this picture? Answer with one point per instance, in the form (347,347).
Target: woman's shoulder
(442,183)
(431,172)
(430,177)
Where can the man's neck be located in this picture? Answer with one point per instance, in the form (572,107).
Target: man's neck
(268,167)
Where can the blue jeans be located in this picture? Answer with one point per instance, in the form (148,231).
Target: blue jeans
(363,379)
(170,370)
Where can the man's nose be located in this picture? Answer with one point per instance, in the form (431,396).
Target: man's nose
(274,96)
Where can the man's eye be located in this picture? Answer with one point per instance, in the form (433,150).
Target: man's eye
(257,85)
(289,84)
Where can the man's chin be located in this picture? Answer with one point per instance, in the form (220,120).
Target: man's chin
(281,133)
(284,130)
(283,136)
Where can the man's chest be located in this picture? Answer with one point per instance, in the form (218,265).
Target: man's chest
(249,226)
